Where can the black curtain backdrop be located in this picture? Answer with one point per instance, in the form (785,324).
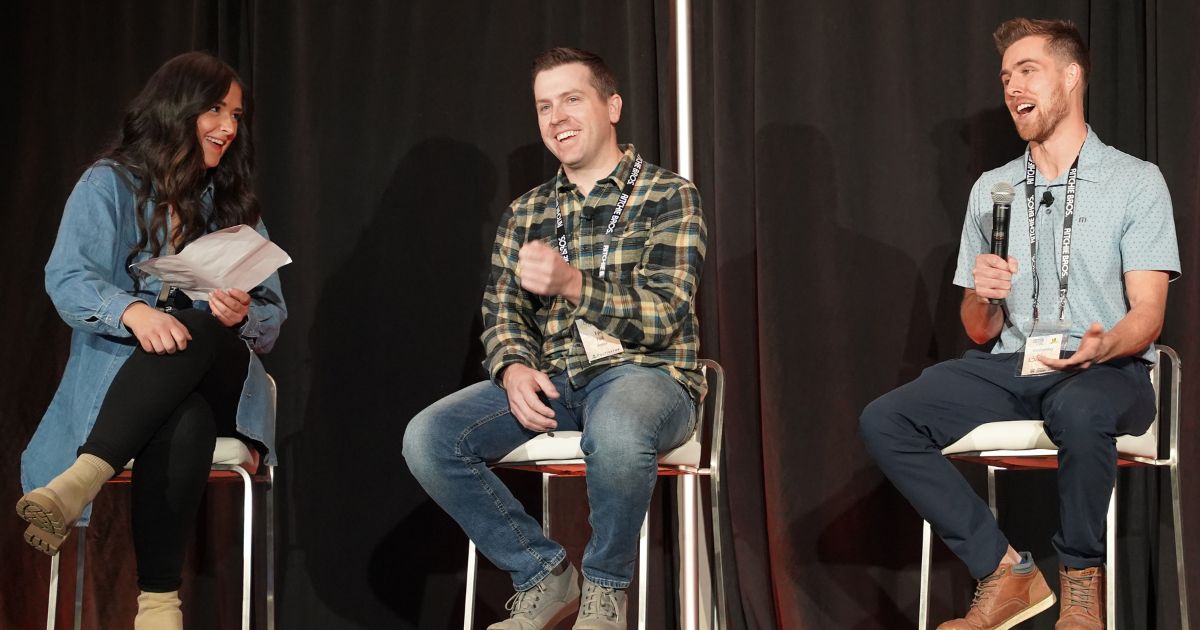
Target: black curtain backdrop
(835,146)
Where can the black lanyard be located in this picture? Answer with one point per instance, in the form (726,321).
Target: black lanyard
(561,231)
(1064,263)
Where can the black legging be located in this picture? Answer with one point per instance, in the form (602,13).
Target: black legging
(166,411)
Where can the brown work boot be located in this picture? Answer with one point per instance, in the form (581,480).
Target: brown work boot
(1082,599)
(1014,593)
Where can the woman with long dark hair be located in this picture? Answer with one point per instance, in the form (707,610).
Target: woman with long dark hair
(152,376)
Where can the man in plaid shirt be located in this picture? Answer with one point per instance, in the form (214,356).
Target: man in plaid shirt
(589,325)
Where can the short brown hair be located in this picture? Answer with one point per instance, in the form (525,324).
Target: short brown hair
(1062,39)
(603,78)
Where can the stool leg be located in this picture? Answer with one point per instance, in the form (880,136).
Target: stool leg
(1177,514)
(926,561)
(80,559)
(269,499)
(718,557)
(52,600)
(992,491)
(1110,572)
(546,504)
(643,570)
(690,587)
(247,540)
(472,572)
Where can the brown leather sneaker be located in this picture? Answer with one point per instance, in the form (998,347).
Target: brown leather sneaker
(1005,598)
(1082,599)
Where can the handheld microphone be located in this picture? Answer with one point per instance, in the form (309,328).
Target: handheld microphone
(1002,198)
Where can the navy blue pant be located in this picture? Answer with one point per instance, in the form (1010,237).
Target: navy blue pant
(1084,411)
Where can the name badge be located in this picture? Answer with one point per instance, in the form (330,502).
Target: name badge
(1048,345)
(597,343)
(1045,339)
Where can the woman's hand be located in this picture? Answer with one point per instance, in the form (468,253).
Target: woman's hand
(229,306)
(157,331)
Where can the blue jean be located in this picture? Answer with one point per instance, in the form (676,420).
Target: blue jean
(1083,412)
(628,414)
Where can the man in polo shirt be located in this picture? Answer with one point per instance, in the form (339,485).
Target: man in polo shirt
(589,326)
(1092,248)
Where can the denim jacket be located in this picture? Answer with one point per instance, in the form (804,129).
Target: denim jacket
(87,281)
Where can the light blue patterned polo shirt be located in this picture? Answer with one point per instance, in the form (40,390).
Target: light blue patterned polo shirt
(1123,222)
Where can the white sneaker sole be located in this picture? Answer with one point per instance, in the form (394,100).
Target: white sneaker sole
(1029,613)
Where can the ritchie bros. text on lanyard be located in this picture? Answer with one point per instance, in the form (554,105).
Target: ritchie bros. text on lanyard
(1064,263)
(561,231)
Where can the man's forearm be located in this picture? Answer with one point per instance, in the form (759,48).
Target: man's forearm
(982,320)
(1137,330)
(573,290)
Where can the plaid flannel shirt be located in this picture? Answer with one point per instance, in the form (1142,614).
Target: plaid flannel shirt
(645,298)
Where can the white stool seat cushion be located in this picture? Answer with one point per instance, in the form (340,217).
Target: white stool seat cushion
(565,446)
(232,452)
(1025,435)
(228,451)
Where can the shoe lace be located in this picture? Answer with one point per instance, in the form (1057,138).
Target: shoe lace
(599,600)
(524,602)
(983,591)
(1077,589)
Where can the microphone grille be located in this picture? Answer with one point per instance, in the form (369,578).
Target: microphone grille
(1003,192)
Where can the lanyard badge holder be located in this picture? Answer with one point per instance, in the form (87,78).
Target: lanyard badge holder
(1046,338)
(164,300)
(597,344)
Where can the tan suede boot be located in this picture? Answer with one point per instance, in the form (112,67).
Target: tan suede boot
(53,509)
(158,611)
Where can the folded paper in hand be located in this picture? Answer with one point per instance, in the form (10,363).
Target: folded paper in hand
(232,258)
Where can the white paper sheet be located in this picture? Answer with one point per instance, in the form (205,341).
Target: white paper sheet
(232,258)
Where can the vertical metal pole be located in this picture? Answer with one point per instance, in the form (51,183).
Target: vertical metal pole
(926,562)
(643,570)
(52,602)
(546,504)
(80,559)
(1176,491)
(716,382)
(1110,572)
(682,27)
(269,500)
(683,86)
(247,540)
(1177,516)
(687,484)
(991,481)
(472,571)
